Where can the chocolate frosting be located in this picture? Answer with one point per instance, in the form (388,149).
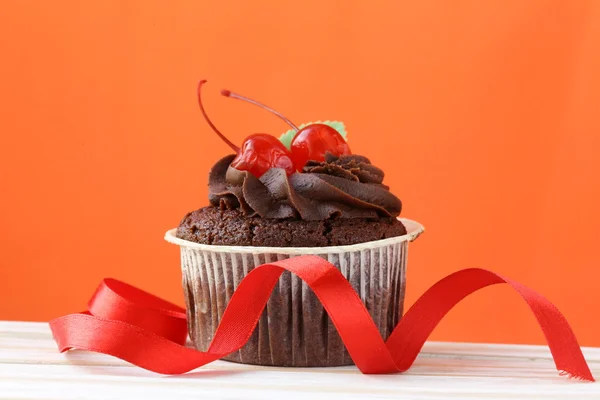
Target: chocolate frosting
(344,187)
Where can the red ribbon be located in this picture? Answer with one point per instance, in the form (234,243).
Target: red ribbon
(149,332)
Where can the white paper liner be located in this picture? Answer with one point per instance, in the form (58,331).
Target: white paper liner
(294,329)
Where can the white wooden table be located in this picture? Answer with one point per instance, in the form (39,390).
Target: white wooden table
(32,368)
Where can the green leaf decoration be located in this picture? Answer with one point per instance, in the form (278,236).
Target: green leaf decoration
(287,137)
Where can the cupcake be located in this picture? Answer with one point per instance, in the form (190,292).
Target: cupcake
(304,193)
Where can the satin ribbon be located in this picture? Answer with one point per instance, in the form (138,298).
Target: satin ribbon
(140,328)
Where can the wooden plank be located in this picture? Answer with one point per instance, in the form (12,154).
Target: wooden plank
(32,368)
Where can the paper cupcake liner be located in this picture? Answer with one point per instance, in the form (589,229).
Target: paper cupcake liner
(294,329)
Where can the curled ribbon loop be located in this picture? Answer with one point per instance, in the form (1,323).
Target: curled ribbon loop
(140,328)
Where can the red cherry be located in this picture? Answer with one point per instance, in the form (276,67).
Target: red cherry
(259,153)
(313,141)
(310,142)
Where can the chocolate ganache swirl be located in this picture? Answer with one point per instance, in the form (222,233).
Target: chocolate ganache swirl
(344,187)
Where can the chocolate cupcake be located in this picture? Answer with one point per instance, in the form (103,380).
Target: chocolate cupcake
(330,203)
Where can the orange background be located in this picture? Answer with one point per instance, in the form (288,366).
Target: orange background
(484,114)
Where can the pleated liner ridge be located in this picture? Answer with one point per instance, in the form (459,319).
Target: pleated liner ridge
(294,329)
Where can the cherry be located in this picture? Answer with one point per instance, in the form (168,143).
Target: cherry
(310,142)
(314,140)
(259,152)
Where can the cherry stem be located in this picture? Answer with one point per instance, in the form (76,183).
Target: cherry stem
(214,128)
(228,93)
